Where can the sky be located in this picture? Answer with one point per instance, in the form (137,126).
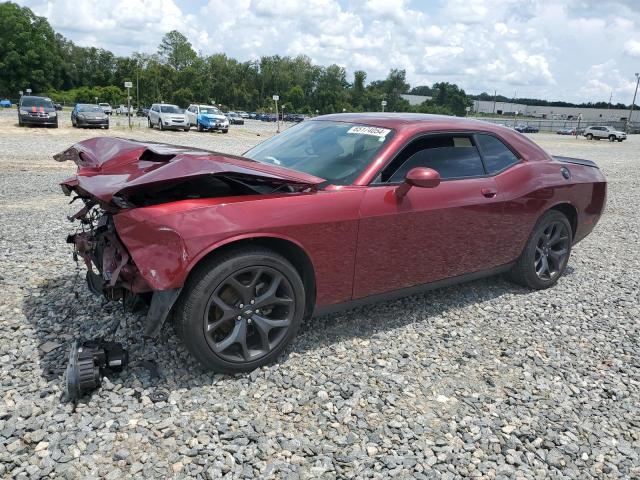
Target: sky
(572,50)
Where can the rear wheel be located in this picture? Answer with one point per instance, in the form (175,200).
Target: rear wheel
(239,311)
(545,256)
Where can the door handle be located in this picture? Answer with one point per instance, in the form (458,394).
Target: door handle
(489,192)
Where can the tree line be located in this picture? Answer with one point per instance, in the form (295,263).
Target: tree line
(33,55)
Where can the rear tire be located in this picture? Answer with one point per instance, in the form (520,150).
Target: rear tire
(225,337)
(549,245)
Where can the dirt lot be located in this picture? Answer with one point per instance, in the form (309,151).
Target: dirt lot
(485,379)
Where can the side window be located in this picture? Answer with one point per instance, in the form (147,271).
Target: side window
(495,154)
(451,156)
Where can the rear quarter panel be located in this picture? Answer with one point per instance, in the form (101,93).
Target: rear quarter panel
(531,188)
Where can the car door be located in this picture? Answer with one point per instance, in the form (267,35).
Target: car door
(192,114)
(154,115)
(432,233)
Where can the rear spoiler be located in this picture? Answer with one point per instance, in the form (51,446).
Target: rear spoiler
(577,161)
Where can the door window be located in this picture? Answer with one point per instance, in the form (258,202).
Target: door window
(452,156)
(495,154)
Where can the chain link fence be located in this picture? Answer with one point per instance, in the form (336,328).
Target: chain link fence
(554,125)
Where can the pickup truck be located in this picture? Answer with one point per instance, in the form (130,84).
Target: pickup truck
(123,110)
(106,108)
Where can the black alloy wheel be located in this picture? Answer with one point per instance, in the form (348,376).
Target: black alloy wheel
(546,253)
(248,315)
(239,310)
(552,250)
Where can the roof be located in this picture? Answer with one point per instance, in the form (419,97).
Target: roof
(400,121)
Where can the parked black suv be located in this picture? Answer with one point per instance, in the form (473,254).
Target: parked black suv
(34,110)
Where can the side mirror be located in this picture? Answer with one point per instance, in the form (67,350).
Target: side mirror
(418,177)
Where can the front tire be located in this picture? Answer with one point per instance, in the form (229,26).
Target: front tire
(150,124)
(589,136)
(612,138)
(546,254)
(160,125)
(238,311)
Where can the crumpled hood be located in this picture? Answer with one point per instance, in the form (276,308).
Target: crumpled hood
(109,166)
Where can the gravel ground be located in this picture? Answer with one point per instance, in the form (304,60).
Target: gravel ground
(485,379)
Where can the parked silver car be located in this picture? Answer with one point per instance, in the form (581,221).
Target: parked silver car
(167,116)
(596,133)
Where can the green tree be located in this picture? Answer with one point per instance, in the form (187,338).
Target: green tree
(449,95)
(176,51)
(30,55)
(295,98)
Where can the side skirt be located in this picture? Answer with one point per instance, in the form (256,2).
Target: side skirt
(405,292)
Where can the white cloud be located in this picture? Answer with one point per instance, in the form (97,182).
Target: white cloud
(572,50)
(632,48)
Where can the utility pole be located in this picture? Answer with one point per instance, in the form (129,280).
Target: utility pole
(633,103)
(137,91)
(495,94)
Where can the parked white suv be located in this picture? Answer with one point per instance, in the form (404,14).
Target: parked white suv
(604,132)
(123,109)
(167,116)
(207,117)
(106,108)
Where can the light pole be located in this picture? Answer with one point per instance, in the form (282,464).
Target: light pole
(275,99)
(633,103)
(128,86)
(283,113)
(96,100)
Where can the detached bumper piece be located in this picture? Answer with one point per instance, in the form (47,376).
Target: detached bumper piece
(88,363)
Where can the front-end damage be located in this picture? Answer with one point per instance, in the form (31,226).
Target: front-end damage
(112,273)
(129,236)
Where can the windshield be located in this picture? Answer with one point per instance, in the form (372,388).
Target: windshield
(209,110)
(89,108)
(36,102)
(335,151)
(104,104)
(170,109)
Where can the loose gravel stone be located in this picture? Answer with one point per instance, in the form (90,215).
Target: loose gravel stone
(482,379)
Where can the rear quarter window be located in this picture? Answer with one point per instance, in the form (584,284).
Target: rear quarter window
(496,155)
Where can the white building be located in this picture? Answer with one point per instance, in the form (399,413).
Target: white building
(555,113)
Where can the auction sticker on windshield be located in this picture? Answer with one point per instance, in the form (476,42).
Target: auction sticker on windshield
(364,130)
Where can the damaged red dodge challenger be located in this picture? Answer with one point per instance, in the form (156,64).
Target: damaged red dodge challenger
(334,212)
